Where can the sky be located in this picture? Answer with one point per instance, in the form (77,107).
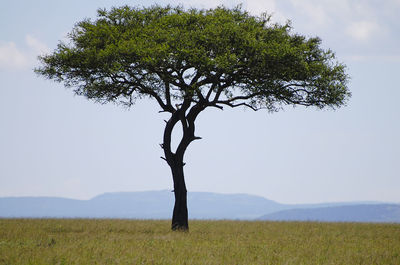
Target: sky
(53,143)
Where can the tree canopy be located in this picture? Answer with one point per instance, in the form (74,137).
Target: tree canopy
(188,60)
(218,57)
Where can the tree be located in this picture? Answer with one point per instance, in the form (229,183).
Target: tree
(189,60)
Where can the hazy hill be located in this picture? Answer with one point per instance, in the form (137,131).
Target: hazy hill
(202,205)
(350,213)
(150,204)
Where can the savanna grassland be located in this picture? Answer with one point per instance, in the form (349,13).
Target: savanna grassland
(93,241)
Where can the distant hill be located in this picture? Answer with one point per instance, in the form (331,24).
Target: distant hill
(382,213)
(140,205)
(159,205)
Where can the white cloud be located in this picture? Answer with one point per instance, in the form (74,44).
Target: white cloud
(362,30)
(313,10)
(13,57)
(257,7)
(385,58)
(36,45)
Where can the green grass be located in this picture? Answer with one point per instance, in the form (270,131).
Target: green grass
(83,241)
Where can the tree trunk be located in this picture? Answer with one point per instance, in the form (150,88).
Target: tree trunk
(175,162)
(175,159)
(180,214)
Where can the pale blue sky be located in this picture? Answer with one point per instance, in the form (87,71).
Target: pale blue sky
(53,143)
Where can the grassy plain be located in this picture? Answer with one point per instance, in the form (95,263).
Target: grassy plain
(92,241)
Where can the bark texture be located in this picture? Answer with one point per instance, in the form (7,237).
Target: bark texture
(175,159)
(180,214)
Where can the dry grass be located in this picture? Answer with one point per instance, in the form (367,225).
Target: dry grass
(83,241)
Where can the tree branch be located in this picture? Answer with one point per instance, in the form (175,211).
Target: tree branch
(195,79)
(230,100)
(167,94)
(215,106)
(240,104)
(210,91)
(188,134)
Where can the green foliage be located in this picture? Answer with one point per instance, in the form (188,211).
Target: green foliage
(83,241)
(212,57)
(188,60)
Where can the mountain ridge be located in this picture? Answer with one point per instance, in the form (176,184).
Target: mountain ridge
(372,213)
(154,205)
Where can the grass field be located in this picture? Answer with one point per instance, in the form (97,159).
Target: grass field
(83,241)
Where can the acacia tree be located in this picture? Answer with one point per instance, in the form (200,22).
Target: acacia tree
(189,60)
